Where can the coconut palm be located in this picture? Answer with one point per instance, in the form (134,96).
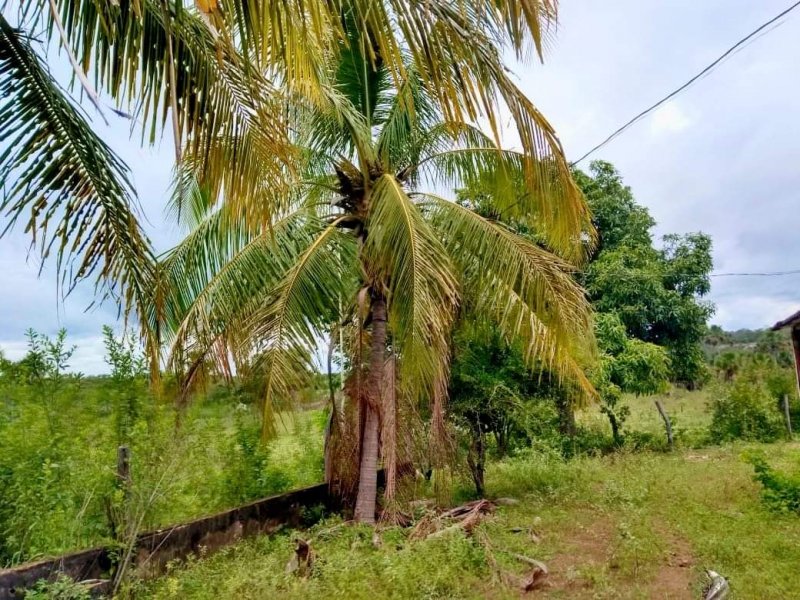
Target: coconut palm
(365,239)
(258,114)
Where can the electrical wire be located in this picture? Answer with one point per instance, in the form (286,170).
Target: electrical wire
(772,274)
(699,75)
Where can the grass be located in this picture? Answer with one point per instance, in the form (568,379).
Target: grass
(57,464)
(623,526)
(688,412)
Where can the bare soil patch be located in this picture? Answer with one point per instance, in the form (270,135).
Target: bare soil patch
(586,565)
(676,575)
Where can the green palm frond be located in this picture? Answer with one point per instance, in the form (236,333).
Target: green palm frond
(500,173)
(127,46)
(288,324)
(75,189)
(529,292)
(457,49)
(408,119)
(542,345)
(422,294)
(220,269)
(334,128)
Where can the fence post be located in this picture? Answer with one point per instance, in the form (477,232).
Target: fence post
(667,424)
(786,415)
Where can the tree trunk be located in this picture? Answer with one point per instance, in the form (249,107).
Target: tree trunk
(612,418)
(501,434)
(327,446)
(368,471)
(566,417)
(476,459)
(667,423)
(787,415)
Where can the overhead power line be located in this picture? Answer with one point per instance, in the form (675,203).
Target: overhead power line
(677,91)
(772,274)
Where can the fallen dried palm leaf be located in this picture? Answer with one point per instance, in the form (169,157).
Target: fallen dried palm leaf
(534,579)
(464,517)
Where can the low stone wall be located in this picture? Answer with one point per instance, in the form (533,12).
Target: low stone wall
(156,548)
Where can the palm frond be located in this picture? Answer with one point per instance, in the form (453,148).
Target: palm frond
(291,38)
(220,269)
(422,293)
(500,173)
(77,191)
(128,44)
(457,51)
(408,119)
(286,326)
(530,293)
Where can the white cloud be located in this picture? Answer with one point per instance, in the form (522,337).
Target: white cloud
(669,118)
(88,358)
(760,311)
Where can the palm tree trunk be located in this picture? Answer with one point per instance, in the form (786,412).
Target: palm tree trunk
(368,472)
(566,417)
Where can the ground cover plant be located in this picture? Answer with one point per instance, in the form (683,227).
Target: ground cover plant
(654,526)
(629,525)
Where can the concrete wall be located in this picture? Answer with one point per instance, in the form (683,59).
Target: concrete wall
(156,548)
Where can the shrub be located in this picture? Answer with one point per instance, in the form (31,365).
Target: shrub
(248,472)
(781,491)
(62,588)
(748,412)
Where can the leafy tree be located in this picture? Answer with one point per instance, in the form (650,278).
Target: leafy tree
(43,370)
(618,219)
(778,345)
(728,363)
(493,392)
(657,294)
(626,365)
(128,378)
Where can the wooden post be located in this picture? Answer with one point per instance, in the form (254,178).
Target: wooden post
(124,469)
(667,424)
(786,415)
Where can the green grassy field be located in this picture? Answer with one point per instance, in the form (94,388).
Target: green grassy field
(624,526)
(57,464)
(688,412)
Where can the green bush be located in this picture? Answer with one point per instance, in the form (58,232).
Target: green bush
(781,491)
(59,435)
(62,588)
(249,473)
(747,411)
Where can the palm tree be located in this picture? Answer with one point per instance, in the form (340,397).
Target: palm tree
(256,112)
(362,241)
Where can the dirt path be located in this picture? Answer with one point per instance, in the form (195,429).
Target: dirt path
(588,565)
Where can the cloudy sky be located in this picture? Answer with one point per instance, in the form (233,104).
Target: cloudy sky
(723,157)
